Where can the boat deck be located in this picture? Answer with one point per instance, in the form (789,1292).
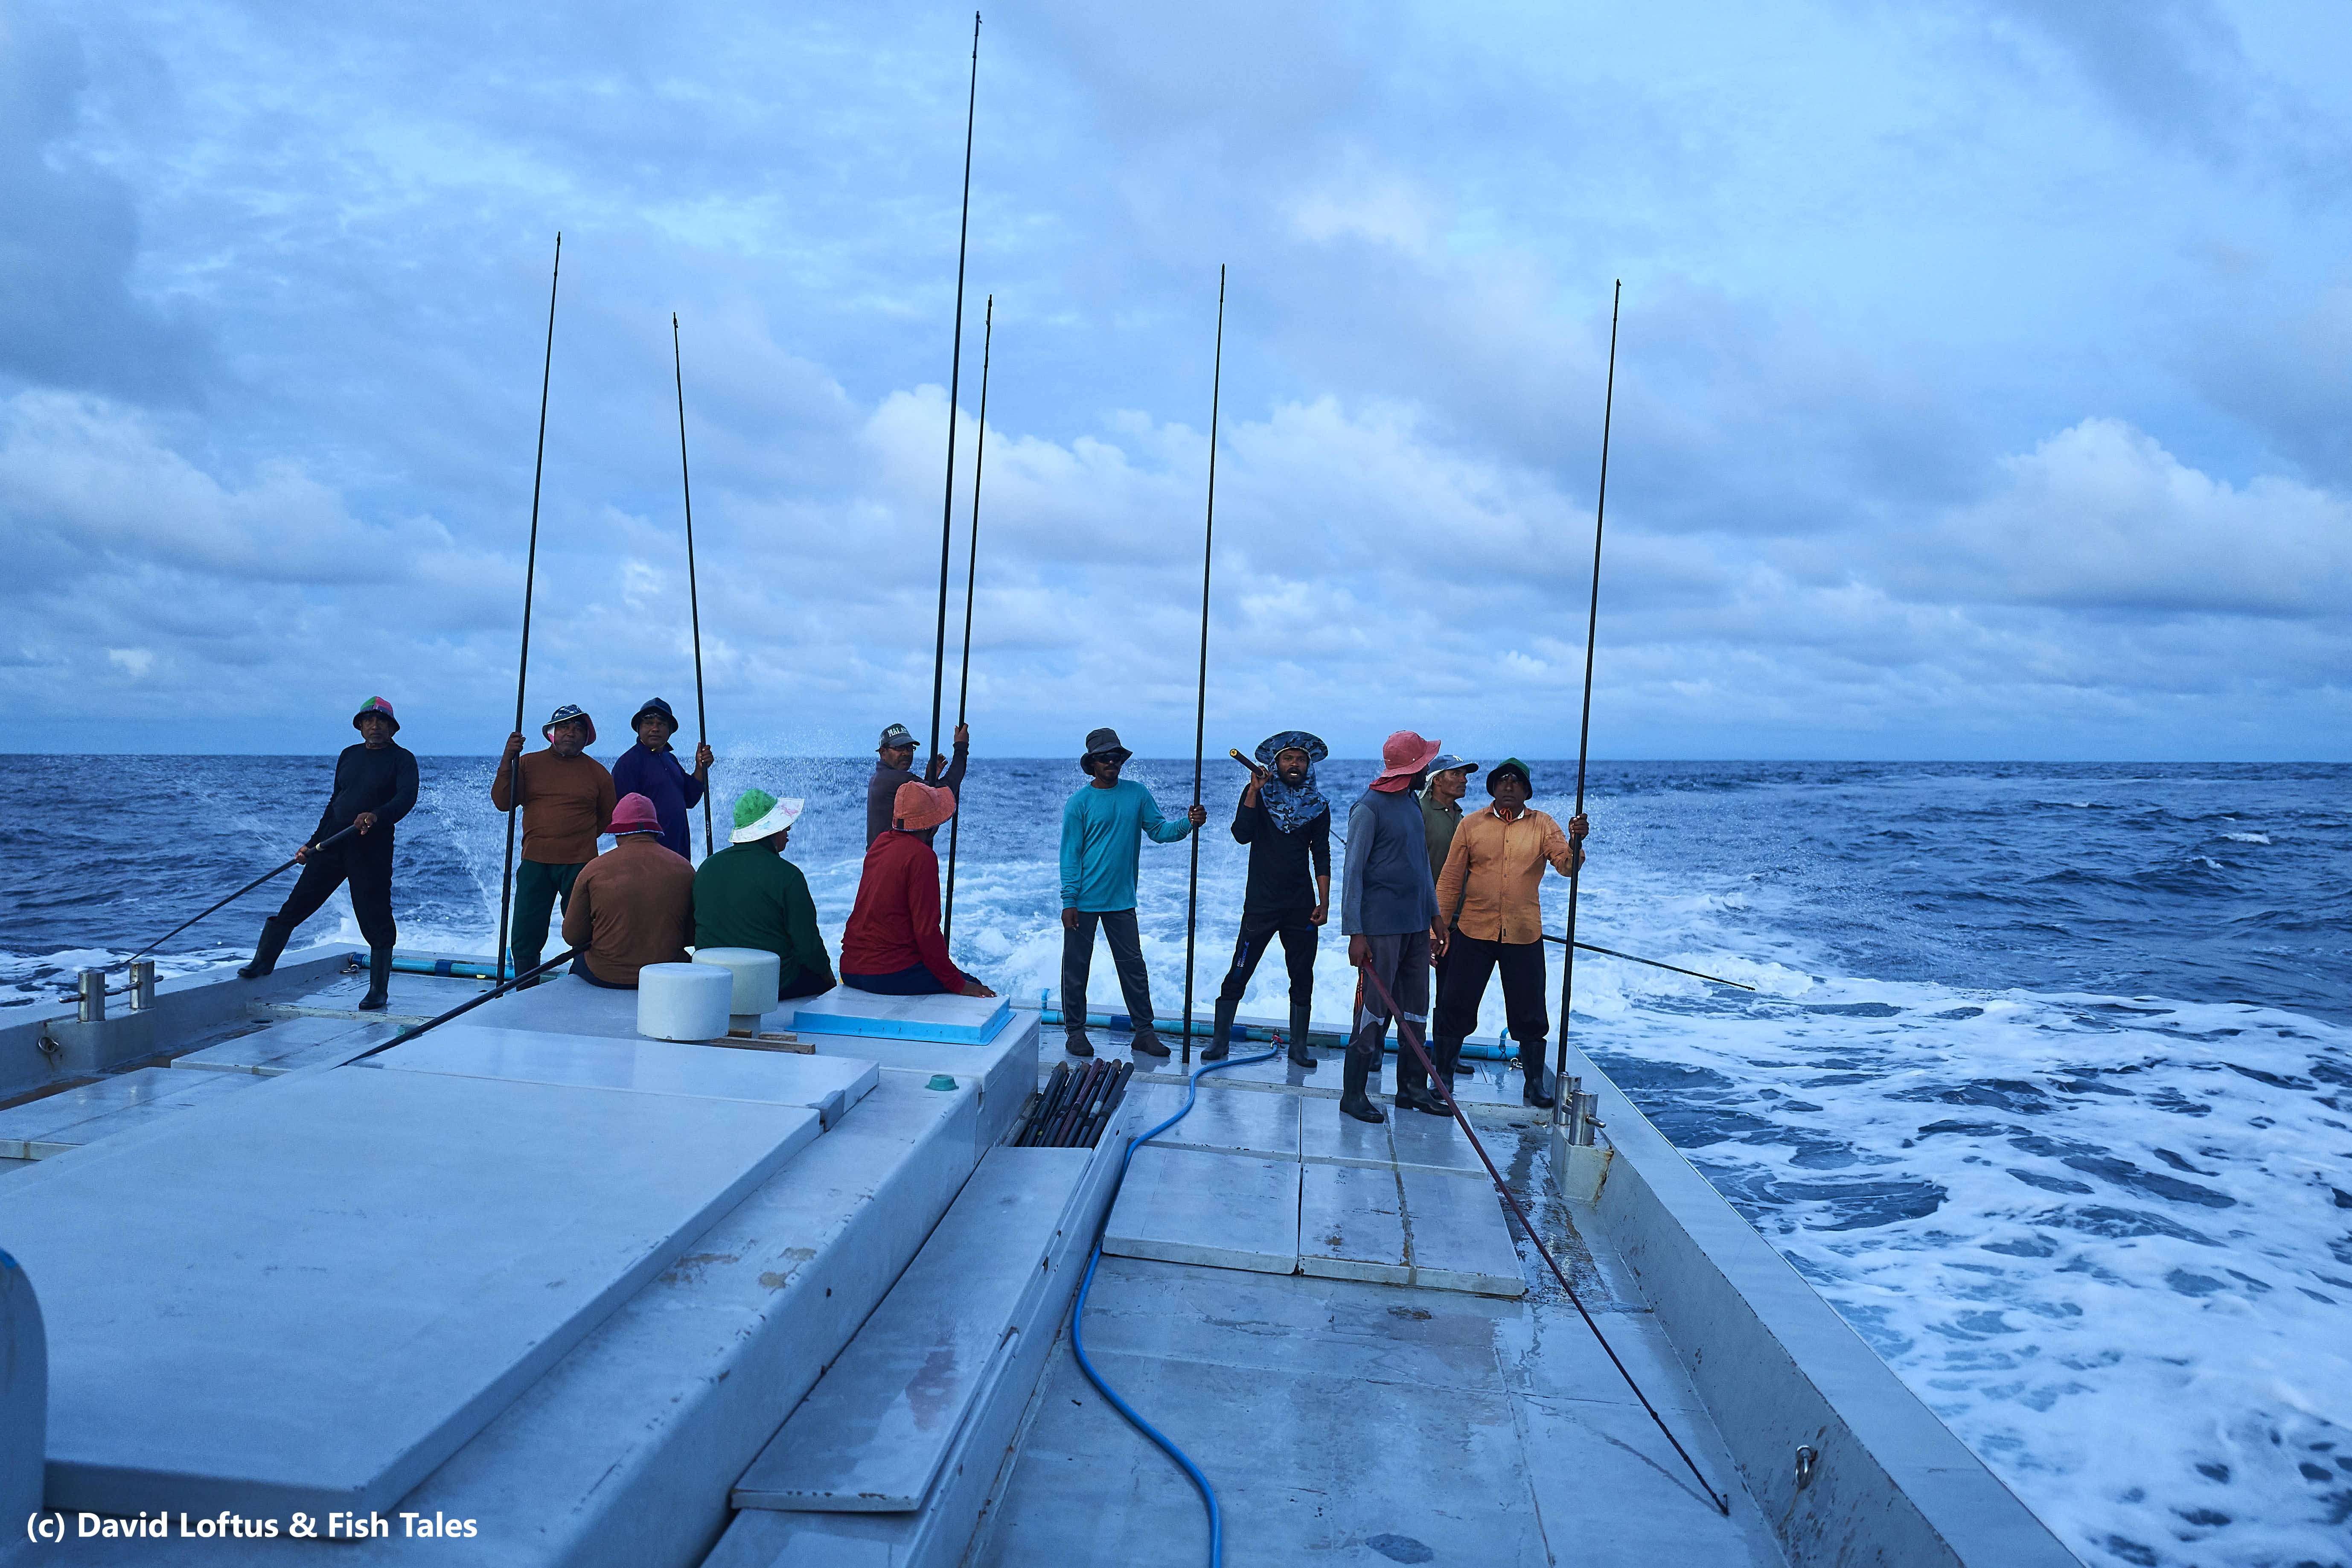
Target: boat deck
(630,1302)
(1348,1421)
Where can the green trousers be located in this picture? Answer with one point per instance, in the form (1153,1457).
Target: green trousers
(537,888)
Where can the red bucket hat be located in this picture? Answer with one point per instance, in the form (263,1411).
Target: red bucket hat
(378,706)
(634,814)
(1402,755)
(919,805)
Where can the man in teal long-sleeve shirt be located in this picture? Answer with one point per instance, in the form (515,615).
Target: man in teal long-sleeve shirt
(1103,828)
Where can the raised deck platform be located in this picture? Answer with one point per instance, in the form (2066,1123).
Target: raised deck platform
(387,1222)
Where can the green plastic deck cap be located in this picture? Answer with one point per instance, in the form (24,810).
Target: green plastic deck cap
(941,1080)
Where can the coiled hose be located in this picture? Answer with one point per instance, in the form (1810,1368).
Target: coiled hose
(1079,1313)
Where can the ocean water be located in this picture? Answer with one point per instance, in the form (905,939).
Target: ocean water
(2047,1085)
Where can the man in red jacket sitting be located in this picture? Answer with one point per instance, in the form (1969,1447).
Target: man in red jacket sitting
(893,945)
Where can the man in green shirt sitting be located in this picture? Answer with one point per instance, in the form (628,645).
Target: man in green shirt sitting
(749,895)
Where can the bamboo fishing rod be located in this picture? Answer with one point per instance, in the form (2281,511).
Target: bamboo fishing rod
(971,567)
(955,372)
(529,577)
(1200,699)
(693,600)
(1584,732)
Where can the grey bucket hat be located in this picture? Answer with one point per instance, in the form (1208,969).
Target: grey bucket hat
(1102,742)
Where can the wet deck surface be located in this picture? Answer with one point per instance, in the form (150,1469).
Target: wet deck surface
(1350,1422)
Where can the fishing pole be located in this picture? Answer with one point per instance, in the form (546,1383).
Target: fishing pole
(955,372)
(1584,732)
(529,576)
(1201,701)
(971,567)
(1409,1039)
(311,849)
(693,601)
(1629,958)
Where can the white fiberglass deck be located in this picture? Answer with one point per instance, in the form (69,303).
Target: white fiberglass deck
(1349,1421)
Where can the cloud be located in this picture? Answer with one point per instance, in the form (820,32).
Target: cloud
(67,248)
(1929,432)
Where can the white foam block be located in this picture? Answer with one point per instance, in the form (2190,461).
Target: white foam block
(1459,1238)
(56,1122)
(1351,1224)
(1431,1143)
(1327,1135)
(1188,1205)
(873,1434)
(1236,1120)
(829,1085)
(844,1010)
(314,1294)
(289,1044)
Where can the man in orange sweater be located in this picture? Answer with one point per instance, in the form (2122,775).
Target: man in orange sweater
(567,799)
(1490,906)
(633,905)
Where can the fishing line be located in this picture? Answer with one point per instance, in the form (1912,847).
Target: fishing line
(324,843)
(970,569)
(1410,1039)
(495,992)
(1584,732)
(1078,1311)
(529,576)
(693,600)
(1201,701)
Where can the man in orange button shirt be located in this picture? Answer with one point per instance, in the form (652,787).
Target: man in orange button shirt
(1490,902)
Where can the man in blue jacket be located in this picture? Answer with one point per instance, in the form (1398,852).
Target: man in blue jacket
(651,769)
(1388,907)
(1103,828)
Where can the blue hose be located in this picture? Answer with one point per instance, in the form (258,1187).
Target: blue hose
(1079,1313)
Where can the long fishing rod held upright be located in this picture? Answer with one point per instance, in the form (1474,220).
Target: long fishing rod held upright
(970,566)
(693,599)
(1584,731)
(529,578)
(955,372)
(1200,699)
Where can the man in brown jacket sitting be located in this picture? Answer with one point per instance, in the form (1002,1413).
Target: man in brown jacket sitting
(633,905)
(567,800)
(1490,905)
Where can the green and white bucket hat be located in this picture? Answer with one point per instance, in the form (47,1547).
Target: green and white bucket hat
(758,815)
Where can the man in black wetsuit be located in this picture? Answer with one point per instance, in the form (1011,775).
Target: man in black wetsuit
(1286,824)
(376,785)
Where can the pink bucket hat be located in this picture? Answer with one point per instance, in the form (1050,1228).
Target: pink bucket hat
(919,805)
(634,814)
(1402,755)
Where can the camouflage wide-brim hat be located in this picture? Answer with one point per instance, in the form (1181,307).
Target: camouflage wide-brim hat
(566,715)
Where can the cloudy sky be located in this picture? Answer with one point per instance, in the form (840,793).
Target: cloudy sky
(1984,386)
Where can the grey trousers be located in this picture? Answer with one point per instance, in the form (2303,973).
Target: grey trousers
(1127,956)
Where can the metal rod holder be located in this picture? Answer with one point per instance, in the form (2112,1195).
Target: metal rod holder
(142,985)
(91,1002)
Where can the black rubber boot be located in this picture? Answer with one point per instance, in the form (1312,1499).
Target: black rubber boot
(1353,1101)
(1221,1033)
(1300,1057)
(379,991)
(265,952)
(1412,1083)
(1447,1056)
(1536,1088)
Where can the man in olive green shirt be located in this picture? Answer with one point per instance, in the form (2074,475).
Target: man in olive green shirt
(749,895)
(1441,806)
(1441,814)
